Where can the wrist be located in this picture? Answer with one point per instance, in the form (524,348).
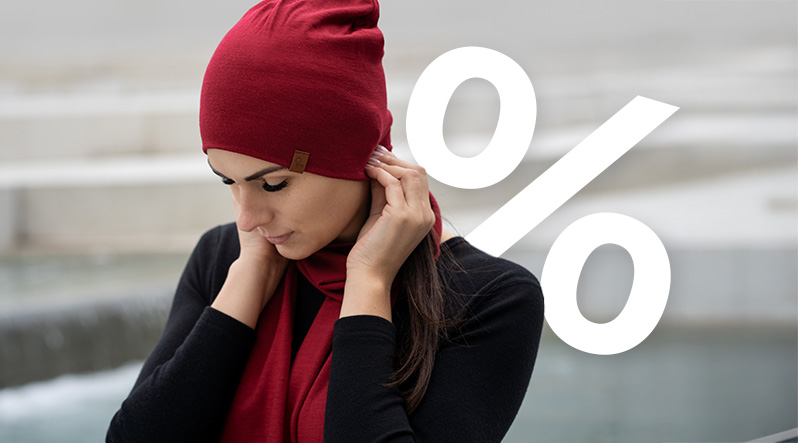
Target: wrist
(258,267)
(370,275)
(366,295)
(250,261)
(246,290)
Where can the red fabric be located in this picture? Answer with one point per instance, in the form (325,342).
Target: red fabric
(300,75)
(278,401)
(274,396)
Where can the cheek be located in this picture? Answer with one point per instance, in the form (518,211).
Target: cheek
(327,213)
(321,214)
(320,210)
(307,216)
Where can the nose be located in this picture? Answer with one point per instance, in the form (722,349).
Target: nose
(252,211)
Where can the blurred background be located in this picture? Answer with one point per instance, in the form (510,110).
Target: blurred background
(104,191)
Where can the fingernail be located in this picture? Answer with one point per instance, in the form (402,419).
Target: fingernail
(382,149)
(374,161)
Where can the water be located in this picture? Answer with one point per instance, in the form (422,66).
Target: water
(70,408)
(42,280)
(688,381)
(682,384)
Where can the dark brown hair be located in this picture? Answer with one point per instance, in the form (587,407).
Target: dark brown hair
(424,290)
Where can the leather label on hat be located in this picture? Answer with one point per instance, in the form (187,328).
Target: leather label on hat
(299,161)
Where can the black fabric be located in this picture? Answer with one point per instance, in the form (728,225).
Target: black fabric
(305,311)
(480,376)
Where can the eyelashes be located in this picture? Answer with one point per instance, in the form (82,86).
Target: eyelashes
(266,187)
(269,188)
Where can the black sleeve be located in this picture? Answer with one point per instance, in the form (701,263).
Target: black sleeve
(186,385)
(478,382)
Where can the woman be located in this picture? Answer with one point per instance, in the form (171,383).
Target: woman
(336,308)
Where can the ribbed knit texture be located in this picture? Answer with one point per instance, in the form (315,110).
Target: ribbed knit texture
(300,75)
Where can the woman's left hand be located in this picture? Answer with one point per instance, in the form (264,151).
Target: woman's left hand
(399,218)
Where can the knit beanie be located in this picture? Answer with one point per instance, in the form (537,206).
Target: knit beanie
(300,83)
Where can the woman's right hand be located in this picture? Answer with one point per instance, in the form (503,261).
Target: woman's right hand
(252,278)
(255,248)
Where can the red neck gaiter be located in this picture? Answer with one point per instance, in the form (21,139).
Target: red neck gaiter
(280,401)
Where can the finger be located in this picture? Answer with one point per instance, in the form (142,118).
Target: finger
(416,190)
(400,171)
(394,193)
(378,200)
(413,180)
(412,177)
(416,194)
(390,158)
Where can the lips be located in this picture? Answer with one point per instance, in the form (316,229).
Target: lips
(278,240)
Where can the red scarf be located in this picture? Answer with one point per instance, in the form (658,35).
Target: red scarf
(278,401)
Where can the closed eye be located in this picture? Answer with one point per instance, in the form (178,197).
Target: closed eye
(269,188)
(266,187)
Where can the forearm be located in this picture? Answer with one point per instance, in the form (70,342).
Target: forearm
(479,380)
(186,397)
(361,407)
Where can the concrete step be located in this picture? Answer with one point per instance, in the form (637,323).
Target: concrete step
(165,203)
(90,125)
(128,204)
(131,120)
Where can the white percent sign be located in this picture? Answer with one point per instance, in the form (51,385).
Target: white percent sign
(555,186)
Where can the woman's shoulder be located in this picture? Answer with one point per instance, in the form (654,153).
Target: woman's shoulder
(489,298)
(219,239)
(216,249)
(472,271)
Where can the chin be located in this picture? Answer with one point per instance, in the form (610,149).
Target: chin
(293,252)
(290,253)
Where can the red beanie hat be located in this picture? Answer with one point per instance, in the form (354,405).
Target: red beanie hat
(300,83)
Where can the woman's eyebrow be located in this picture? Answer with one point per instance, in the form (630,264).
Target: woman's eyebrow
(254,176)
(268,170)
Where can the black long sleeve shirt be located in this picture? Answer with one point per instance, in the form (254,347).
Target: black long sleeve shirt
(480,376)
